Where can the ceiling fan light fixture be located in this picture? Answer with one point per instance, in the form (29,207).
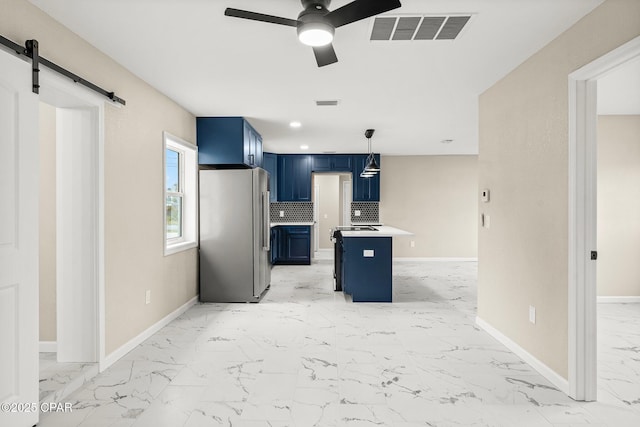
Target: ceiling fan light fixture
(315,33)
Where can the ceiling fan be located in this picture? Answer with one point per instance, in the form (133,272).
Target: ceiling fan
(316,24)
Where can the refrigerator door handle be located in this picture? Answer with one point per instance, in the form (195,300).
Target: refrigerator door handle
(266,229)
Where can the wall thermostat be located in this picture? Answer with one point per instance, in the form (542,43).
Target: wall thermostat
(485,195)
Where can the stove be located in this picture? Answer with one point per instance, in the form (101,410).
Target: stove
(355,228)
(336,237)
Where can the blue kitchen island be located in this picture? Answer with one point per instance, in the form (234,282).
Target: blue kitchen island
(366,263)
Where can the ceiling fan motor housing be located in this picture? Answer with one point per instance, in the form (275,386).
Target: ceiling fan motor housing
(312,4)
(313,14)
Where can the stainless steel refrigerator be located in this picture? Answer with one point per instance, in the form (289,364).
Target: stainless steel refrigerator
(234,235)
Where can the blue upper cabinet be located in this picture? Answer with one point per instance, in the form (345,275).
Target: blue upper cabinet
(294,178)
(271,165)
(332,163)
(365,189)
(228,141)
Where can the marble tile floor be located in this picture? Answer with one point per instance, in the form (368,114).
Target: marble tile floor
(59,380)
(306,356)
(619,354)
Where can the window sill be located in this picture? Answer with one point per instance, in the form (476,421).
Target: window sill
(179,247)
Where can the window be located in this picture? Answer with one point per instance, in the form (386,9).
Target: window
(180,194)
(175,193)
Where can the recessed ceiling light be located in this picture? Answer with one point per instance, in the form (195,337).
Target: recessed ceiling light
(446,141)
(295,124)
(304,147)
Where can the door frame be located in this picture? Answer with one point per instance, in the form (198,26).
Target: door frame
(62,93)
(347,199)
(316,214)
(582,292)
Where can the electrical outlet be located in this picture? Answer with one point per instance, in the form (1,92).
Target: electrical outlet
(357,213)
(413,244)
(281,214)
(532,314)
(147,297)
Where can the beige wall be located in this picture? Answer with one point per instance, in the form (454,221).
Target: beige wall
(523,161)
(133,178)
(328,207)
(434,197)
(47,207)
(619,205)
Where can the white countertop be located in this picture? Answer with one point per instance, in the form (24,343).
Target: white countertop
(275,224)
(382,231)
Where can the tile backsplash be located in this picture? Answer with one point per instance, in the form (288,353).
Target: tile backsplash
(292,211)
(369,212)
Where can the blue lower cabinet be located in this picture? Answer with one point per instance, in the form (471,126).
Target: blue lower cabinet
(366,269)
(274,245)
(292,245)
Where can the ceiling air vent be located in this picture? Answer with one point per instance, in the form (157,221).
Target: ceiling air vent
(418,27)
(326,103)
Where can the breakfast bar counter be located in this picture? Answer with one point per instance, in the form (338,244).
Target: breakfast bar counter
(364,260)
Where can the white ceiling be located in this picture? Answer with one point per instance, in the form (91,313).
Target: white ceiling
(414,93)
(619,91)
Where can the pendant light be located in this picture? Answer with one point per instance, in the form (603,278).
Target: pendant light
(371,168)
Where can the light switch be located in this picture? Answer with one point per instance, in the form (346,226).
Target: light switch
(532,314)
(326,216)
(485,195)
(368,253)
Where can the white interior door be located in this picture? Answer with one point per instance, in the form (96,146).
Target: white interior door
(19,168)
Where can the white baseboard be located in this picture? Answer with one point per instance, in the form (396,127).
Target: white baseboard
(134,342)
(434,259)
(610,300)
(555,379)
(48,347)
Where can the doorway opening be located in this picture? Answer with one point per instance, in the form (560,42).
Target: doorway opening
(71,237)
(618,234)
(332,197)
(583,214)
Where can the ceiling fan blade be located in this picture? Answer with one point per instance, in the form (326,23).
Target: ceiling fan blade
(325,55)
(254,16)
(360,9)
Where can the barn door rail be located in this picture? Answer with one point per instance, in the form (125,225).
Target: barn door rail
(31,51)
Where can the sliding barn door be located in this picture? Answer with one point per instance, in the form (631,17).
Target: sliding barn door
(18,244)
